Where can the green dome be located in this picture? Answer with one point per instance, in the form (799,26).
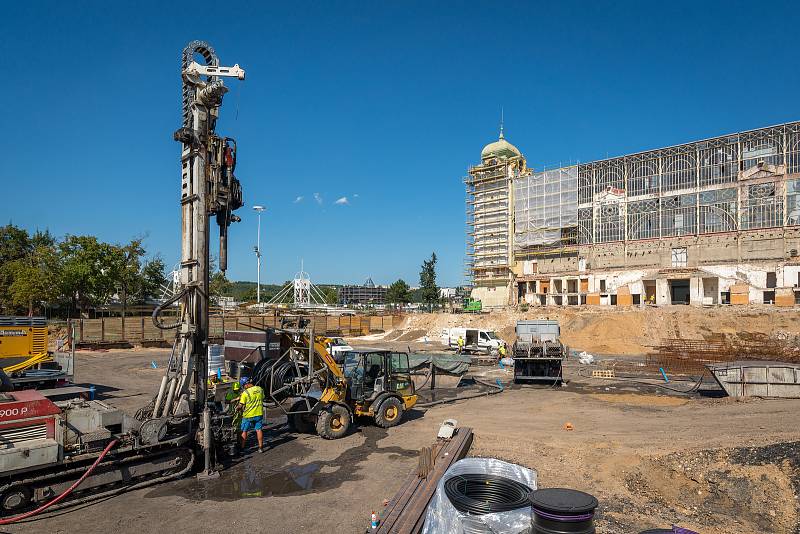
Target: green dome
(500,148)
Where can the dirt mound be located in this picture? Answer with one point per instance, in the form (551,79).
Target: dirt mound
(623,331)
(412,335)
(704,486)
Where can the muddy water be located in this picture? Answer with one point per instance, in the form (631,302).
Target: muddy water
(281,471)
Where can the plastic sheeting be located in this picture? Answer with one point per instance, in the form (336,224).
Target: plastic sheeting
(451,363)
(442,516)
(544,204)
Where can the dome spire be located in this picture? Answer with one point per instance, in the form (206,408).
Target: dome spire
(500,148)
(501,123)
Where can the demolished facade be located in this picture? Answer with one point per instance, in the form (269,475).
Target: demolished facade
(704,223)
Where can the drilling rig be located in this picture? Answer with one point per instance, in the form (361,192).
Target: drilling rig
(208,188)
(56,454)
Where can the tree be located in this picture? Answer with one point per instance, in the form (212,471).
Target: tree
(398,293)
(15,244)
(427,281)
(126,270)
(219,285)
(330,294)
(249,294)
(89,271)
(35,277)
(153,280)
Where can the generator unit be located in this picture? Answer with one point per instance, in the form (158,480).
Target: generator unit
(538,353)
(21,338)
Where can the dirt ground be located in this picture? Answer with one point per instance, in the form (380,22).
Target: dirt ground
(711,464)
(620,331)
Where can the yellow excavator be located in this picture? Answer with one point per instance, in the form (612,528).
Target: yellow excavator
(319,395)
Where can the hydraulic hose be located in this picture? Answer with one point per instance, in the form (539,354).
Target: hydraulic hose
(157,311)
(692,389)
(480,494)
(495,389)
(66,492)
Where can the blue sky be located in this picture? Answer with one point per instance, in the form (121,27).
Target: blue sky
(384,104)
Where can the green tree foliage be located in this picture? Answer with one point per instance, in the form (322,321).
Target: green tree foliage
(89,270)
(153,280)
(219,285)
(330,294)
(398,293)
(427,281)
(126,269)
(15,244)
(35,278)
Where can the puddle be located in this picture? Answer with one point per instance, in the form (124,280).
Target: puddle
(251,482)
(266,475)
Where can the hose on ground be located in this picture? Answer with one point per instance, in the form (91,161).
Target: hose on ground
(66,492)
(694,388)
(495,388)
(480,493)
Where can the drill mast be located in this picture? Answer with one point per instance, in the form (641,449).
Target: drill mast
(208,188)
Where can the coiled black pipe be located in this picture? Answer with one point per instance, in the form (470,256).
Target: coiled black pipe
(272,376)
(480,494)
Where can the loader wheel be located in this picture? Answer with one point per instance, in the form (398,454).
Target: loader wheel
(333,422)
(302,423)
(389,413)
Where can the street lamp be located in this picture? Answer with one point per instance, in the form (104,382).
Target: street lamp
(257,250)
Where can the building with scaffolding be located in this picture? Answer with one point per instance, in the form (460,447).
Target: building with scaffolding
(710,222)
(365,295)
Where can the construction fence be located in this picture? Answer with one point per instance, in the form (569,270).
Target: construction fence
(142,330)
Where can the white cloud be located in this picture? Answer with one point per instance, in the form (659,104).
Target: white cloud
(342,201)
(298,199)
(355,195)
(318,198)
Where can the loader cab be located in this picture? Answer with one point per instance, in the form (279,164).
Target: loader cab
(371,372)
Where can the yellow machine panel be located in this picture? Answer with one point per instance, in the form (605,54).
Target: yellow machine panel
(22,339)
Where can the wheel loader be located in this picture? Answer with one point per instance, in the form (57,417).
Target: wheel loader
(318,395)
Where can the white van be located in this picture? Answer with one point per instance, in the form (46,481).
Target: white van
(475,339)
(337,347)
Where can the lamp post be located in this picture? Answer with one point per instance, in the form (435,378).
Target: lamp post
(257,249)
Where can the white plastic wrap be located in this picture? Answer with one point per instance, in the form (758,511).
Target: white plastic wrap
(443,517)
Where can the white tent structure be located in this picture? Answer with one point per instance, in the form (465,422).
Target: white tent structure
(299,293)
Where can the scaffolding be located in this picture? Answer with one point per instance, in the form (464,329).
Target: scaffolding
(545,208)
(487,219)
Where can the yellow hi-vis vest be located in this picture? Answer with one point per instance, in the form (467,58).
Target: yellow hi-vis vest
(253,400)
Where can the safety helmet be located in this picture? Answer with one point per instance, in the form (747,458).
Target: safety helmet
(244,380)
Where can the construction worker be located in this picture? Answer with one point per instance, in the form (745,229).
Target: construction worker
(233,394)
(251,403)
(460,344)
(502,350)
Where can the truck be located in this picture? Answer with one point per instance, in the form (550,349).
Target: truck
(538,352)
(475,339)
